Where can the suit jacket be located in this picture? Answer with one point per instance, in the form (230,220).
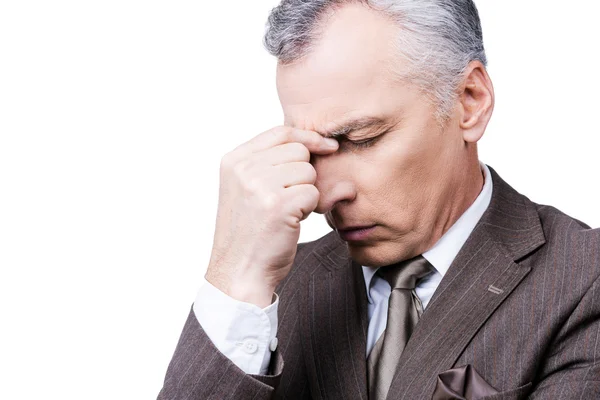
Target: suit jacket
(520,304)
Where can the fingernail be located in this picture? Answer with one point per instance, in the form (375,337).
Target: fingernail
(331,143)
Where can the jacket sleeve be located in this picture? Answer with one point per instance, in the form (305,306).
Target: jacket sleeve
(572,368)
(198,371)
(241,331)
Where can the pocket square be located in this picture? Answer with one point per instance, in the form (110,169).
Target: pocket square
(462,383)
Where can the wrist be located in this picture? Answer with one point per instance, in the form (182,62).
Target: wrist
(255,294)
(243,288)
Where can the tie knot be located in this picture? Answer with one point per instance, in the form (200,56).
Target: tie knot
(405,274)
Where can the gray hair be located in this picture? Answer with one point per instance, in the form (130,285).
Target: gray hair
(439,39)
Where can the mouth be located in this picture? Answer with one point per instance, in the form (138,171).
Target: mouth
(354,234)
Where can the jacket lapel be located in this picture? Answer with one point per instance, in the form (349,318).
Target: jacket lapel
(487,269)
(334,323)
(482,276)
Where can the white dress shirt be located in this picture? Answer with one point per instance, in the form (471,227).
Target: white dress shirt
(246,334)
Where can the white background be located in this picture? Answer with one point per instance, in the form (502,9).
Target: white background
(114,115)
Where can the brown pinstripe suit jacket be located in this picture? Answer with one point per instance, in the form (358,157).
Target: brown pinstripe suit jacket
(535,334)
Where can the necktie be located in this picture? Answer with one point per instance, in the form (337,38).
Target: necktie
(404,311)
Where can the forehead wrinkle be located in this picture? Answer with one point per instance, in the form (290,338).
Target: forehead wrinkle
(345,128)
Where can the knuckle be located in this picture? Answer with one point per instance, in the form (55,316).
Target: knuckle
(282,133)
(226,162)
(239,169)
(304,152)
(270,201)
(310,172)
(316,140)
(314,193)
(250,186)
(299,151)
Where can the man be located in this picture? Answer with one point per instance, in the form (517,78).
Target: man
(439,280)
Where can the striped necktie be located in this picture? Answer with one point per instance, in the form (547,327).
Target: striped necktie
(404,311)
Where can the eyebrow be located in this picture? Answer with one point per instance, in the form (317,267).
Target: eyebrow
(346,128)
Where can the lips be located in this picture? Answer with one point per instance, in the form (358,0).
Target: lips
(356,233)
(354,228)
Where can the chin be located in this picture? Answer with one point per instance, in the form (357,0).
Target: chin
(368,254)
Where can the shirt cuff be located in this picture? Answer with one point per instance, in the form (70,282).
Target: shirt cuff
(243,332)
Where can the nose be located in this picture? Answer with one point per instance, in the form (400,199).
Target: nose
(333,182)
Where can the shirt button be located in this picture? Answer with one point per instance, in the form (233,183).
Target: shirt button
(250,346)
(273,344)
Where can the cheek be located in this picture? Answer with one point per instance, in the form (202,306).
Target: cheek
(387,182)
(396,179)
(403,163)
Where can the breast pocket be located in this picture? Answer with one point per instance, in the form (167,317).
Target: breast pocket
(514,394)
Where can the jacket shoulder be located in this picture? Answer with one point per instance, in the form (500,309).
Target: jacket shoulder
(557,225)
(570,242)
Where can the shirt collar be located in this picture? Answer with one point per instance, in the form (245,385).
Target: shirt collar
(447,247)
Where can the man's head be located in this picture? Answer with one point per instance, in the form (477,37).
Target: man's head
(408,74)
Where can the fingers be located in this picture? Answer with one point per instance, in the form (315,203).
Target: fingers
(314,142)
(282,154)
(301,200)
(277,162)
(290,174)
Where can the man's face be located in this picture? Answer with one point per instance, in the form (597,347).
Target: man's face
(401,181)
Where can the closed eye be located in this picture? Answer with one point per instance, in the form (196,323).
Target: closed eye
(363,143)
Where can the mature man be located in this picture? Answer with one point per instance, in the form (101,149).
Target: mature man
(438,281)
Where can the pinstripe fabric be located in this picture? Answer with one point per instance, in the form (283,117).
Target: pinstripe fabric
(198,370)
(520,303)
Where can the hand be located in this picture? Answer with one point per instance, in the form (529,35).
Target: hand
(266,189)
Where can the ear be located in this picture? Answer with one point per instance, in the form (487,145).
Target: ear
(476,96)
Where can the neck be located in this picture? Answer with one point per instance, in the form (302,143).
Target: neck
(463,196)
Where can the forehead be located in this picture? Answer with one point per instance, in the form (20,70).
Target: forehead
(346,75)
